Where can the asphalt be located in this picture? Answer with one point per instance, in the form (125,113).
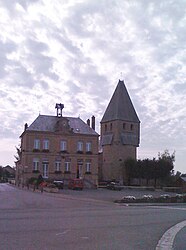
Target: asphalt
(102,195)
(179,241)
(105,195)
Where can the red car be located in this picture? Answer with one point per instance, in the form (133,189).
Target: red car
(75,184)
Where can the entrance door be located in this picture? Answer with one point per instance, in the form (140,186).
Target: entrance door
(45,170)
(79,171)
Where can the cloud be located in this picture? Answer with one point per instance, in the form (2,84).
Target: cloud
(74,52)
(11,6)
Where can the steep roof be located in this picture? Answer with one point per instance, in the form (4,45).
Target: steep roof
(47,123)
(183,178)
(120,106)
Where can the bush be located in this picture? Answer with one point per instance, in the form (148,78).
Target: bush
(32,180)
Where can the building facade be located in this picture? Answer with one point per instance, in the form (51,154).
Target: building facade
(120,135)
(61,148)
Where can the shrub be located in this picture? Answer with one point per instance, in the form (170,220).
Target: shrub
(32,180)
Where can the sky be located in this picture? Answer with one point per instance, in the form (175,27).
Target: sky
(75,51)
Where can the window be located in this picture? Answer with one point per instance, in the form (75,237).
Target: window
(46,144)
(80,146)
(88,146)
(57,166)
(88,167)
(124,126)
(131,127)
(67,166)
(35,164)
(111,127)
(63,145)
(36,144)
(105,127)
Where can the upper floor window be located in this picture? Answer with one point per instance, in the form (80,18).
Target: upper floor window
(124,126)
(57,166)
(80,146)
(36,144)
(46,144)
(88,146)
(63,145)
(131,126)
(35,164)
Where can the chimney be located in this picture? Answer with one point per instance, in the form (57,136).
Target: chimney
(88,122)
(93,122)
(26,126)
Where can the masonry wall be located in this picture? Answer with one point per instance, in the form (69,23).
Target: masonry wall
(115,152)
(54,154)
(113,161)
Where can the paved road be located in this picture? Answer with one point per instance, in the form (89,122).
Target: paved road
(32,220)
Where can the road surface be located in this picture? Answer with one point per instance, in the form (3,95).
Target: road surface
(34,221)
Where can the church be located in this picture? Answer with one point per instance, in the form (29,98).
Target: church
(63,148)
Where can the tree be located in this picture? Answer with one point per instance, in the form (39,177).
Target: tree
(147,169)
(166,156)
(1,172)
(129,169)
(155,171)
(166,162)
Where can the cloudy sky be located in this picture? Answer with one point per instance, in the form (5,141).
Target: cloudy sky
(73,52)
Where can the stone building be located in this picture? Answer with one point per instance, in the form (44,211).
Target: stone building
(59,147)
(120,135)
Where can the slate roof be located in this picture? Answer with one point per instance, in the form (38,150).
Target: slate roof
(120,106)
(183,178)
(47,123)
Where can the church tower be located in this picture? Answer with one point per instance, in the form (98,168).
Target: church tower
(120,134)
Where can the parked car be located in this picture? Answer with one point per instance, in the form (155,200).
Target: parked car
(58,184)
(75,184)
(102,184)
(114,186)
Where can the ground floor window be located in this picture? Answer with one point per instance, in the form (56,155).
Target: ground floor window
(88,167)
(67,166)
(57,166)
(35,164)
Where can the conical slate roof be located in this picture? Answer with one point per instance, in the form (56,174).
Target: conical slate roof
(120,106)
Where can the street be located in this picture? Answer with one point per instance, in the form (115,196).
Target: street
(33,220)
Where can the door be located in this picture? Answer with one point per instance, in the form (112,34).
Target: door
(79,171)
(45,170)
